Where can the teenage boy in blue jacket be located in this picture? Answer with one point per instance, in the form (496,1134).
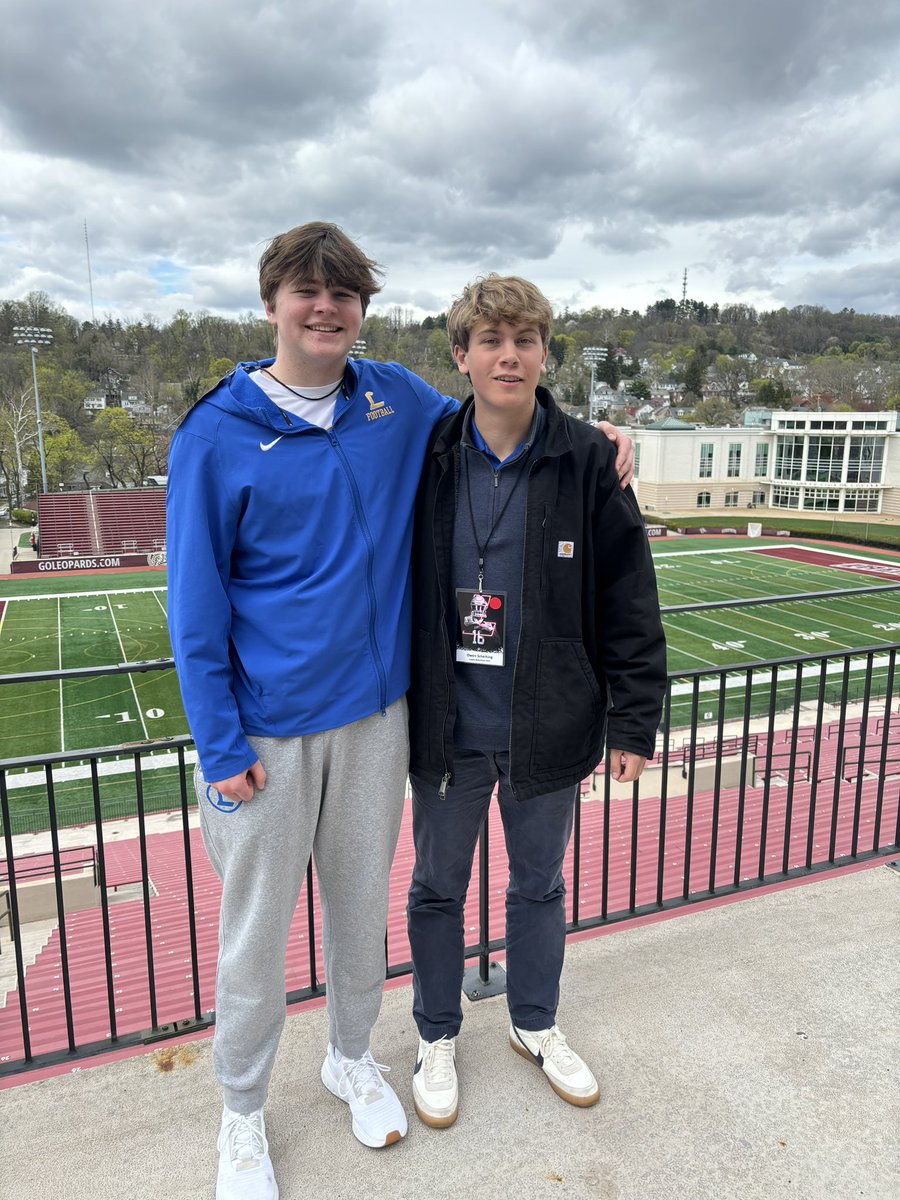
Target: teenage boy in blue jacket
(537,641)
(290,501)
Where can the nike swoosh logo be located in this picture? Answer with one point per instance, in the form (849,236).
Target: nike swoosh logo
(269,445)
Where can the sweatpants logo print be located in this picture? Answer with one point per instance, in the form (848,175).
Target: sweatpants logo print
(221,803)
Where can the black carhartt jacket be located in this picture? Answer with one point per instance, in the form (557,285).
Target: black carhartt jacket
(591,656)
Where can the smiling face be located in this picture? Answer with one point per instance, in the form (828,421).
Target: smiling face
(504,363)
(316,326)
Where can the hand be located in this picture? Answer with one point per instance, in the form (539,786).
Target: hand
(242,786)
(624,452)
(624,766)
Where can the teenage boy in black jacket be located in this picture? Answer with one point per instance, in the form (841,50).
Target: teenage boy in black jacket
(536,640)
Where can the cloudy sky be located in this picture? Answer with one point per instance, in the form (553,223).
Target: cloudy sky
(600,147)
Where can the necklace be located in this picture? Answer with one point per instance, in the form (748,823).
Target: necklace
(281,383)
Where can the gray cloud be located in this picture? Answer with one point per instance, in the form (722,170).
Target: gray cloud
(614,143)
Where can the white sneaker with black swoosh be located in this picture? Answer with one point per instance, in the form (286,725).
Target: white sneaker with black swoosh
(435,1086)
(567,1073)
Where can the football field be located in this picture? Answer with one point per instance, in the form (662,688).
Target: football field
(85,629)
(722,635)
(49,625)
(729,573)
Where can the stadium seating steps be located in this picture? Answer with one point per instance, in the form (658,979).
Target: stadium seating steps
(839,809)
(85,524)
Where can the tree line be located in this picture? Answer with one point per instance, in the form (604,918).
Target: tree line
(714,359)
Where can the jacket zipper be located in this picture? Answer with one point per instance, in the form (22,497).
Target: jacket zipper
(370,569)
(531,470)
(447,775)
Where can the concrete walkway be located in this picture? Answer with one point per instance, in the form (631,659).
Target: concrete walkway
(746,1051)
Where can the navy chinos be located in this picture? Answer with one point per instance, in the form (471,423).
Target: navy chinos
(445,832)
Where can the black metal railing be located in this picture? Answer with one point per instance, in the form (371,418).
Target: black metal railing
(763,774)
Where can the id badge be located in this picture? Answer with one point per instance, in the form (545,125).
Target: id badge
(481,627)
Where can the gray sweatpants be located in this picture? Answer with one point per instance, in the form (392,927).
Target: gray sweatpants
(339,795)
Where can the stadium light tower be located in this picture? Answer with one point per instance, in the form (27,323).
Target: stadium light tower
(34,336)
(358,349)
(593,356)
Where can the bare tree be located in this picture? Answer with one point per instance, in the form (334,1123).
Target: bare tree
(18,433)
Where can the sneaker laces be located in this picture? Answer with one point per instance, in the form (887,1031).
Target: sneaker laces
(554,1046)
(362,1076)
(438,1062)
(244,1137)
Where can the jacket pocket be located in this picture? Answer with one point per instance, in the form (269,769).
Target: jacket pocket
(243,682)
(567,706)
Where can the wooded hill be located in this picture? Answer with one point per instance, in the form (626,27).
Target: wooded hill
(726,356)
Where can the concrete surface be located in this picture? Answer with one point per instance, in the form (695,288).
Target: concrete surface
(747,1051)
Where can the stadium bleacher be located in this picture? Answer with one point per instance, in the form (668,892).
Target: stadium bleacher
(130,520)
(120,521)
(65,524)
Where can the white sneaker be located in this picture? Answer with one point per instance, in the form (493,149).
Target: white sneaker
(245,1169)
(568,1075)
(377,1115)
(435,1087)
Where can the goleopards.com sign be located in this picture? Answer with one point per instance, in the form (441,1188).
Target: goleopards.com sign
(103,562)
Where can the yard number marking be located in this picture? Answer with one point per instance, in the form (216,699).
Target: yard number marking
(125,715)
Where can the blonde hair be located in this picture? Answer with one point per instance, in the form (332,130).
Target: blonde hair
(498,298)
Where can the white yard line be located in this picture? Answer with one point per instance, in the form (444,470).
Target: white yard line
(831,611)
(75,595)
(62,707)
(793,647)
(155,762)
(785,672)
(772,545)
(137,702)
(676,628)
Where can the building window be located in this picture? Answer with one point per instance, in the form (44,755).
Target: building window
(861,502)
(734,460)
(731,499)
(825,459)
(637,459)
(759,499)
(761,466)
(706,460)
(788,457)
(703,499)
(822,499)
(866,459)
(784,497)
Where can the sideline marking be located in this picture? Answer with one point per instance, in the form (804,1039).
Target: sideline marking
(130,674)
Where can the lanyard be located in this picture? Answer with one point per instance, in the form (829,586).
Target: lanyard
(482,546)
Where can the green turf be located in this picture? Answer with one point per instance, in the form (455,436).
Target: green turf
(35,584)
(97,620)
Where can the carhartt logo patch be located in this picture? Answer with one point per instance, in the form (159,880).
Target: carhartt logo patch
(565,550)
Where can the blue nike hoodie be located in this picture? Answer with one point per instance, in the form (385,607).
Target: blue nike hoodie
(288,557)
